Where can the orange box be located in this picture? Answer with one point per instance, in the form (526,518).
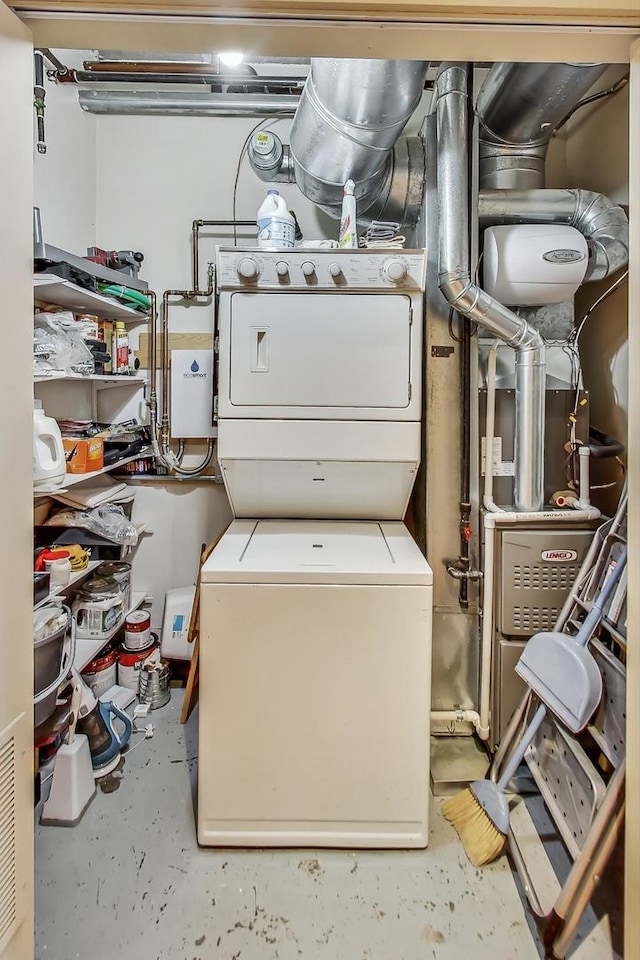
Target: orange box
(83,455)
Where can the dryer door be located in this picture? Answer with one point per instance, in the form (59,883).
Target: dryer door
(319,355)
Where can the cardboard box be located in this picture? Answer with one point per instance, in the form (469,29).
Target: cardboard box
(83,455)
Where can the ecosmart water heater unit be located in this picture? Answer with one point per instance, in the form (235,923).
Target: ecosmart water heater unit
(192,394)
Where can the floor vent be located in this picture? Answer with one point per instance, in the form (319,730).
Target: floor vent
(8,896)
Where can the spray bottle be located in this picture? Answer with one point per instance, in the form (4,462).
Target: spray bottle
(348,234)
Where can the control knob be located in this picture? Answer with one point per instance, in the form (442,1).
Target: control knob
(282,268)
(394,270)
(308,268)
(335,270)
(247,268)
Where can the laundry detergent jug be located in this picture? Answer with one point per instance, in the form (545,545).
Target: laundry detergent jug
(276,226)
(49,465)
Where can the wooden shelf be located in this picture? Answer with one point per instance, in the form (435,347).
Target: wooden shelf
(87,649)
(51,289)
(72,479)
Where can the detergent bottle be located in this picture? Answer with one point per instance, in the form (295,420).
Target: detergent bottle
(49,465)
(276,226)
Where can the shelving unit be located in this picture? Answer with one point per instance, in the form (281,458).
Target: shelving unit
(72,479)
(76,578)
(51,289)
(87,649)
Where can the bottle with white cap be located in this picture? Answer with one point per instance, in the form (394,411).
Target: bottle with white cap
(49,464)
(276,226)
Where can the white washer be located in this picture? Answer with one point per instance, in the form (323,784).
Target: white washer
(315,661)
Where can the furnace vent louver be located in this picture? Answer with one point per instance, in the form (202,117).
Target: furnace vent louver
(8,895)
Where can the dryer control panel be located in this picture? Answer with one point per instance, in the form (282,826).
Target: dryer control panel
(319,269)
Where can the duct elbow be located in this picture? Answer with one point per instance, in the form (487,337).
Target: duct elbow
(605,227)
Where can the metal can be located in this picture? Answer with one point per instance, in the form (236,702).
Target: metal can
(137,630)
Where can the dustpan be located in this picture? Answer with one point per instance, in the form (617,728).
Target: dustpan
(560,668)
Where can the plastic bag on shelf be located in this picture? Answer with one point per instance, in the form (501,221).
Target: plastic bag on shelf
(58,345)
(107,520)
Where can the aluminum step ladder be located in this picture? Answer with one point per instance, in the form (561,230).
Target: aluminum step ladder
(580,778)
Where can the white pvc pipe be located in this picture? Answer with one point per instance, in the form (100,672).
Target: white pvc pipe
(455,716)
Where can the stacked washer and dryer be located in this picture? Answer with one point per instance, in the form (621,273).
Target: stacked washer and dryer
(316,605)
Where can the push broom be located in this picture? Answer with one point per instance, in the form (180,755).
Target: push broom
(564,676)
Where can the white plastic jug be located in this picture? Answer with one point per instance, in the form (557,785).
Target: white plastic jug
(49,465)
(276,226)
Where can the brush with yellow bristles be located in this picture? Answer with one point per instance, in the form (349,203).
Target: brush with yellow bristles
(480,812)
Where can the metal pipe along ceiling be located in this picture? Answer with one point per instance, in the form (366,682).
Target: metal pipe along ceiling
(468,299)
(187,104)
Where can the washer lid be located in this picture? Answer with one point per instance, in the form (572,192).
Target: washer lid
(317,551)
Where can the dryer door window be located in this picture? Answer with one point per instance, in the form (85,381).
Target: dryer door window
(320,350)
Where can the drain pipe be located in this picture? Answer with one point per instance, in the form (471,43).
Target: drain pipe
(473,302)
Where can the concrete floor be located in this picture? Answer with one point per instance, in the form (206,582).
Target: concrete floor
(130,882)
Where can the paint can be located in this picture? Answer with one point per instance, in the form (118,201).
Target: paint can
(137,630)
(130,663)
(100,674)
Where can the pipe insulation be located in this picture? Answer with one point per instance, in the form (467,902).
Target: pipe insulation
(519,107)
(603,223)
(470,300)
(350,116)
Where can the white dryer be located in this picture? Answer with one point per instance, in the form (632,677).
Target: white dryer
(315,645)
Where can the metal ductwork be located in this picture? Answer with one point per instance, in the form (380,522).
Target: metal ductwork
(467,298)
(187,104)
(347,125)
(603,223)
(519,108)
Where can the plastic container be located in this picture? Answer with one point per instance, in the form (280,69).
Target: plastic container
(175,624)
(130,663)
(47,660)
(276,226)
(100,674)
(98,608)
(137,630)
(49,465)
(348,232)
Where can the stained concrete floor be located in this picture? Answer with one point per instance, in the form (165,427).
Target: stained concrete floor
(131,882)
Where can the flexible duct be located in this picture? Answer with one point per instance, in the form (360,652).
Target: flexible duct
(603,224)
(520,105)
(468,299)
(347,125)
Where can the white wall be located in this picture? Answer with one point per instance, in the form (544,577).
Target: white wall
(65,176)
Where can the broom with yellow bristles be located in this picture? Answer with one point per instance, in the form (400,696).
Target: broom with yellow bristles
(564,676)
(480,812)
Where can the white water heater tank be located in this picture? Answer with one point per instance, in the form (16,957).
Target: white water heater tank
(530,264)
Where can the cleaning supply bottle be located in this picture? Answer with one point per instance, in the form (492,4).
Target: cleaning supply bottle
(49,465)
(348,232)
(276,226)
(120,349)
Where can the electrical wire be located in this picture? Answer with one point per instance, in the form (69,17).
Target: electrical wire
(614,88)
(243,151)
